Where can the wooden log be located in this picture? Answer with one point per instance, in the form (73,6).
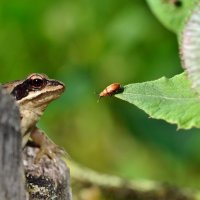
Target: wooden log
(89,185)
(11,170)
(47,179)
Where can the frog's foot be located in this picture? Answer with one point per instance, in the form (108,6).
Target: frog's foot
(51,150)
(46,146)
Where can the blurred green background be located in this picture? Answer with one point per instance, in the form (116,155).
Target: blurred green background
(89,44)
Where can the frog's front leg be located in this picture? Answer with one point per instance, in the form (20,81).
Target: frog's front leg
(46,145)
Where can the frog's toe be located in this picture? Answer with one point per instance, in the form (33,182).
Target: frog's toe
(51,152)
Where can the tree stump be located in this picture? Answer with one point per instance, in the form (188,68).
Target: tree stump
(11,170)
(47,180)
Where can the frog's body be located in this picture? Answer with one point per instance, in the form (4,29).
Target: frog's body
(33,96)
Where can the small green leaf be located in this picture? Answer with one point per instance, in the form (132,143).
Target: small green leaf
(172,100)
(172,16)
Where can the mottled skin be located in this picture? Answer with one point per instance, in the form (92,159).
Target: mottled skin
(33,96)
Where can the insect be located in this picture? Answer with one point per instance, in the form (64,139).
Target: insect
(112,89)
(177,3)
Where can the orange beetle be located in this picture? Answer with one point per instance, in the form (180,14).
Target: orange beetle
(112,89)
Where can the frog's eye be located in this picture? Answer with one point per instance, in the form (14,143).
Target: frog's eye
(36,81)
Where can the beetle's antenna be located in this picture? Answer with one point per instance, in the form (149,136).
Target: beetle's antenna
(98,100)
(95,92)
(99,97)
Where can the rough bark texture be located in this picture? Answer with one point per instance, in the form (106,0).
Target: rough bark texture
(11,170)
(48,179)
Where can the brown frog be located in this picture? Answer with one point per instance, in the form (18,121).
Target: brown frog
(33,95)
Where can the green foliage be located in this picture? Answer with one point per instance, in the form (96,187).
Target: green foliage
(170,99)
(172,16)
(89,44)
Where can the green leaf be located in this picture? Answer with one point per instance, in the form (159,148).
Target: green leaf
(172,100)
(172,16)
